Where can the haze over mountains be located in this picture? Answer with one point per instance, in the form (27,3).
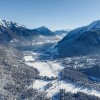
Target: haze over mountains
(12,30)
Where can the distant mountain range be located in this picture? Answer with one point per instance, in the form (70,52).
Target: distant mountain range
(81,41)
(44,31)
(10,30)
(61,32)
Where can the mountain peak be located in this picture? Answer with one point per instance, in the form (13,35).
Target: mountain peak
(8,24)
(81,41)
(94,25)
(42,28)
(44,31)
(2,23)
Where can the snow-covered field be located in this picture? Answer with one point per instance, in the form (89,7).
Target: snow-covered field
(43,68)
(47,68)
(69,88)
(52,69)
(29,58)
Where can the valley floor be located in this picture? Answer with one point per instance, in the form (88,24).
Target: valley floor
(50,70)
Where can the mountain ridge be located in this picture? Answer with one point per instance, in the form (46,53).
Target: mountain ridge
(10,31)
(86,37)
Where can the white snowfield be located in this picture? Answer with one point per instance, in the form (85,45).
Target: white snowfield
(52,69)
(69,88)
(29,58)
(57,85)
(43,68)
(40,84)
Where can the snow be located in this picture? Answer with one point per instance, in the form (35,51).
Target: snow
(43,68)
(2,23)
(95,24)
(11,41)
(57,85)
(8,24)
(29,58)
(70,88)
(52,69)
(55,66)
(73,34)
(39,84)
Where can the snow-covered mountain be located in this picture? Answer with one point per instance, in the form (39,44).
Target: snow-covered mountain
(80,41)
(44,31)
(8,24)
(11,31)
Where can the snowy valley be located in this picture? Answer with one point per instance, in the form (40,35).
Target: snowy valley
(50,79)
(42,64)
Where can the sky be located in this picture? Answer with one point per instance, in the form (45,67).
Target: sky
(54,14)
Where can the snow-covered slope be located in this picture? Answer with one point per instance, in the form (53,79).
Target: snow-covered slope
(17,34)
(9,24)
(44,31)
(12,31)
(81,41)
